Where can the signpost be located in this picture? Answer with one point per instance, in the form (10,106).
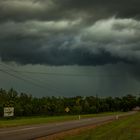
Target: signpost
(67,109)
(8,111)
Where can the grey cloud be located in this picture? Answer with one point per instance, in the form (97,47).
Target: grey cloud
(122,43)
(69,32)
(66,43)
(22,10)
(89,10)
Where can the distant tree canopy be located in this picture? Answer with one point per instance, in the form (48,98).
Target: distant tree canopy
(27,105)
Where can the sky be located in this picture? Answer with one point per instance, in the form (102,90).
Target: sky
(70,47)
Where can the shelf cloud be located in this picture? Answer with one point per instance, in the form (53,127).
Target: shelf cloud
(69,32)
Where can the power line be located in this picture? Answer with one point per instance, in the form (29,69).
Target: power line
(18,77)
(26,80)
(67,74)
(31,80)
(62,74)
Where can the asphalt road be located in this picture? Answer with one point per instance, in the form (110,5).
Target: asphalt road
(35,131)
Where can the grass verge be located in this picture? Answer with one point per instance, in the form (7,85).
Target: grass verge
(48,119)
(127,128)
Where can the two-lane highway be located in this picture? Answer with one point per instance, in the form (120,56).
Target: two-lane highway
(36,131)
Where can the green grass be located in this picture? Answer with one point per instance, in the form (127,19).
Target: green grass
(124,129)
(48,119)
(101,114)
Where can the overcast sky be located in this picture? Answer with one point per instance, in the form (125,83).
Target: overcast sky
(77,47)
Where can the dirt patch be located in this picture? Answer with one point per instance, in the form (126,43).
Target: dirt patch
(61,135)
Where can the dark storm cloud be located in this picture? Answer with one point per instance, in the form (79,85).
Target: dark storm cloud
(66,43)
(125,8)
(56,56)
(69,32)
(21,10)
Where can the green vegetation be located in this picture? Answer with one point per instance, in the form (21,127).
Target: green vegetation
(48,119)
(33,120)
(27,105)
(124,129)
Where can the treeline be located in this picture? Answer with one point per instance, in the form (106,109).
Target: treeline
(27,105)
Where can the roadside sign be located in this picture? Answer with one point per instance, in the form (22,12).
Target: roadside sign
(8,111)
(67,109)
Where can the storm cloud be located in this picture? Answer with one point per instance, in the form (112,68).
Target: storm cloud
(21,10)
(70,32)
(83,47)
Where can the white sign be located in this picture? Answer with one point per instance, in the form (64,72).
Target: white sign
(8,111)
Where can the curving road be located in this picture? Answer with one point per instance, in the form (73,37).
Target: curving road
(36,131)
